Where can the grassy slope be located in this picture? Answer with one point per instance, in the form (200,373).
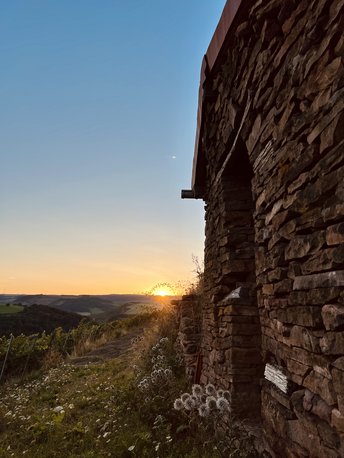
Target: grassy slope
(100,419)
(105,414)
(9,309)
(92,421)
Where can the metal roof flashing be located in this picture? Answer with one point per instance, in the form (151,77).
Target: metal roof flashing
(214,49)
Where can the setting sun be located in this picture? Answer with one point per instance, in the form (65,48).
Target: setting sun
(162,289)
(161,292)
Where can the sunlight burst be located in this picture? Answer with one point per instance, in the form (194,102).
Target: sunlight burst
(162,292)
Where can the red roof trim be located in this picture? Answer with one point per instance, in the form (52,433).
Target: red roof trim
(228,14)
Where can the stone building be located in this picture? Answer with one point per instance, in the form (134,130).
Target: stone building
(269,163)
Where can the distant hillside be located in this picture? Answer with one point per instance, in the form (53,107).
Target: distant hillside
(37,318)
(98,307)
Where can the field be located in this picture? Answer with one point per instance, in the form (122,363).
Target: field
(11,308)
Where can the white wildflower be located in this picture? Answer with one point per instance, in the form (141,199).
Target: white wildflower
(203,410)
(58,409)
(168,373)
(189,403)
(184,396)
(210,390)
(222,404)
(197,390)
(178,404)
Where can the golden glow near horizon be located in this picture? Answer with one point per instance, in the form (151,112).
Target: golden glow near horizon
(74,277)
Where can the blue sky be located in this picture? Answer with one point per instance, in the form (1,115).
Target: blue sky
(98,116)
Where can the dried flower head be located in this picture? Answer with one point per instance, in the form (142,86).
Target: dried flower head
(184,396)
(189,403)
(195,400)
(210,390)
(178,404)
(168,373)
(222,404)
(203,410)
(197,390)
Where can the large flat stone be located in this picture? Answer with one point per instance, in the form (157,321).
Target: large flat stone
(321,386)
(321,280)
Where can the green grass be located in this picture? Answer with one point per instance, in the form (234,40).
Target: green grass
(11,308)
(105,414)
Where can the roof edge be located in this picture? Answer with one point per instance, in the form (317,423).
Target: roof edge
(209,60)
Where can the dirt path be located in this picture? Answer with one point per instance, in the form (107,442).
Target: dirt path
(110,350)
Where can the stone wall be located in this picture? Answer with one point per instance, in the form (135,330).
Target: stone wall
(272,145)
(189,322)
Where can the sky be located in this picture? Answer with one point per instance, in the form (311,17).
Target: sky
(97,129)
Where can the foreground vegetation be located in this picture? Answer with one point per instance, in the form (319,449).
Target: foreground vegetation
(125,407)
(22,354)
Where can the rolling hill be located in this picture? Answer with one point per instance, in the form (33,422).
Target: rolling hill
(36,319)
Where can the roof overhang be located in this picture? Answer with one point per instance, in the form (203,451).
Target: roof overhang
(209,61)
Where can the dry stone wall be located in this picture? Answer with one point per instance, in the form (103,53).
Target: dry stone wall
(188,315)
(273,147)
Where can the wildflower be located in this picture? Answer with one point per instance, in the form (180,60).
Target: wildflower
(184,396)
(178,404)
(58,409)
(210,390)
(189,403)
(222,404)
(203,410)
(160,373)
(168,373)
(131,448)
(195,400)
(197,390)
(211,403)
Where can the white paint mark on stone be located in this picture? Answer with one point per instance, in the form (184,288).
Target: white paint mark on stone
(276,376)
